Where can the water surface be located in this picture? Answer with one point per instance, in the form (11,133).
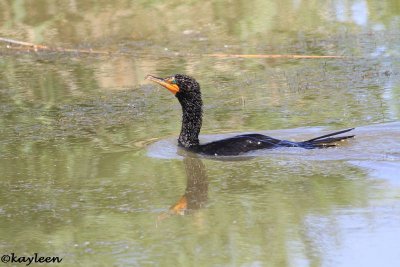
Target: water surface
(89,166)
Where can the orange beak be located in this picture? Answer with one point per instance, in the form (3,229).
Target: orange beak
(167,83)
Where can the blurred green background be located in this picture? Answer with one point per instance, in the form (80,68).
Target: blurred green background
(77,180)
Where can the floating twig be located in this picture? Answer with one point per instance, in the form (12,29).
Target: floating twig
(36,48)
(11,41)
(268,56)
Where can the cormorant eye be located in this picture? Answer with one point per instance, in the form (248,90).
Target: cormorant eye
(171,80)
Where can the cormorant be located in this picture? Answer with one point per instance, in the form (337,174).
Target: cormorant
(187,90)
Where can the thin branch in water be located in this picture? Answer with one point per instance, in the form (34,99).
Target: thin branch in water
(268,56)
(15,42)
(36,48)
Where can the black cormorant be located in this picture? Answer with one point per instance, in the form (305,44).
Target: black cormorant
(187,90)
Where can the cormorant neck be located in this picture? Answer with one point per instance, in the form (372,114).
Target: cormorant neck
(191,120)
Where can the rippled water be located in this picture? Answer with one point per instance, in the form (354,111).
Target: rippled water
(90,170)
(365,146)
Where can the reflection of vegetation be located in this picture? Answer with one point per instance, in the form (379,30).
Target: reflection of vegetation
(255,23)
(74,177)
(76,200)
(43,101)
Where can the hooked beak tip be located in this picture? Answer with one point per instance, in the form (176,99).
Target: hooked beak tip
(173,88)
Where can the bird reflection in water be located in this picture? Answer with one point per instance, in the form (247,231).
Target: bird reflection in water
(196,193)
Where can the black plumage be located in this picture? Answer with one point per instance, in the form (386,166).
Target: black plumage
(187,90)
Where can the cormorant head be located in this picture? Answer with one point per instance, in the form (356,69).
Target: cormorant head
(182,86)
(187,90)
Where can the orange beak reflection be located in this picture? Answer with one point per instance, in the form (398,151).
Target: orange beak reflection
(167,83)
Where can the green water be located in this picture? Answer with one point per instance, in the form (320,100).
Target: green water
(89,167)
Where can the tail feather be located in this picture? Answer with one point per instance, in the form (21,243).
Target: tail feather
(331,134)
(326,140)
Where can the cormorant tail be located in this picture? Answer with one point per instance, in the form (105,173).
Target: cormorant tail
(326,140)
